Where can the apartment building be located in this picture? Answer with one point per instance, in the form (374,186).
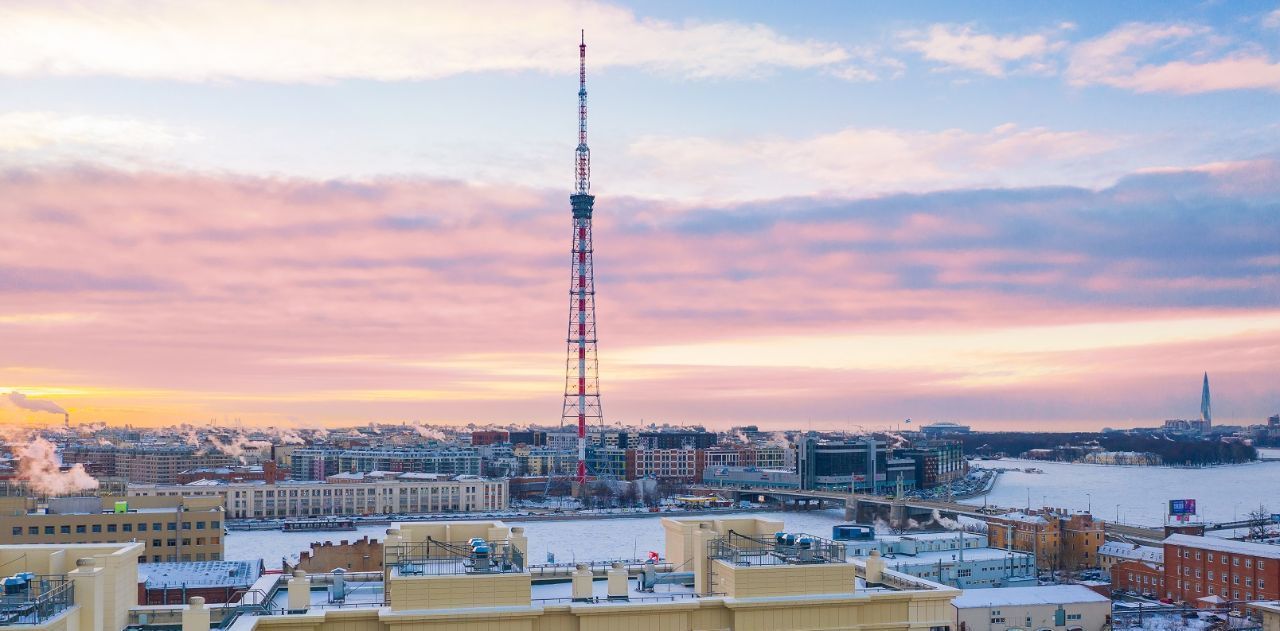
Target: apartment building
(352,494)
(143,464)
(175,528)
(319,463)
(683,464)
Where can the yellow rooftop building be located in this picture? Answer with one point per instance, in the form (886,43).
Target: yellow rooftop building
(740,574)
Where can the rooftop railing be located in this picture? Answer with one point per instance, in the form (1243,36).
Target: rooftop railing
(432,557)
(35,598)
(778,549)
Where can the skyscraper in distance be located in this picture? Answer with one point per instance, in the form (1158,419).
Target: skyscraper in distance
(1206,414)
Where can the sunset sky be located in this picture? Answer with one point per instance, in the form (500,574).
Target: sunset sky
(820,214)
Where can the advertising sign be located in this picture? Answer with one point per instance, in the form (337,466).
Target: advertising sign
(1178,508)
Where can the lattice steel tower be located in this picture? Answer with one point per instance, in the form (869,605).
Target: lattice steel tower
(582,377)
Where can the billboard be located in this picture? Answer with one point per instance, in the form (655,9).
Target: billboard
(1178,508)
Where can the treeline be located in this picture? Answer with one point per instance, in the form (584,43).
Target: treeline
(1182,451)
(1176,451)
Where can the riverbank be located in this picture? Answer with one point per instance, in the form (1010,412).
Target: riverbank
(384,520)
(1133,494)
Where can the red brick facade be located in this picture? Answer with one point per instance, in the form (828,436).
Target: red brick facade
(1139,577)
(1196,567)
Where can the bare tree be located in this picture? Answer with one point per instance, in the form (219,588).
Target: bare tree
(1258,519)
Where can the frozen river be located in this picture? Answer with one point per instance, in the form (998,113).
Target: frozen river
(1136,495)
(585,539)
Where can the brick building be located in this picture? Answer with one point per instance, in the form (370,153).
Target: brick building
(362,555)
(489,437)
(1141,577)
(1203,567)
(266,472)
(1059,539)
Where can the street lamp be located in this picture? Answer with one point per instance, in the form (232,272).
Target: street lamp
(1090,504)
(1117,513)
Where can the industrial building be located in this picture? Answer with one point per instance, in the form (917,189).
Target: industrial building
(1066,607)
(175,528)
(956,558)
(750,477)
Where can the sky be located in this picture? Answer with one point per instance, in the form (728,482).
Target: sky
(826,215)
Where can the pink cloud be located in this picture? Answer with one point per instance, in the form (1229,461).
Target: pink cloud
(1122,58)
(165,298)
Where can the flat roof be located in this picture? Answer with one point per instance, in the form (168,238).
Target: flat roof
(1247,548)
(199,574)
(1040,595)
(1132,551)
(970,554)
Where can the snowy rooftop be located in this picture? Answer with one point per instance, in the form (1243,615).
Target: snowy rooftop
(199,574)
(1132,551)
(1023,517)
(950,535)
(1265,550)
(1015,596)
(946,556)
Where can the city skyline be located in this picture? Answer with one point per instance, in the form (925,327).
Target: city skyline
(1034,217)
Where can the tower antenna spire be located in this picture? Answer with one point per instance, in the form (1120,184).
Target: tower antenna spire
(583,184)
(582,378)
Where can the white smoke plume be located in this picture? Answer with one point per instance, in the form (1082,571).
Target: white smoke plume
(35,405)
(946,522)
(238,445)
(428,432)
(43,473)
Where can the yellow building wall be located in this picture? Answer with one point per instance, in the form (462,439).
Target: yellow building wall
(459,591)
(679,533)
(782,580)
(911,611)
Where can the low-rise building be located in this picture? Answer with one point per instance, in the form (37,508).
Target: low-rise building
(1066,607)
(1205,567)
(215,581)
(1140,577)
(1113,552)
(374,493)
(959,559)
(174,528)
(750,477)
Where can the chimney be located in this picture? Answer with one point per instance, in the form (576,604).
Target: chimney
(617,579)
(582,577)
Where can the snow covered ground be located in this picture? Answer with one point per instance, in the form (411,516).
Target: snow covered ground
(572,540)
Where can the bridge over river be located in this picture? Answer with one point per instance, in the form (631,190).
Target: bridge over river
(901,512)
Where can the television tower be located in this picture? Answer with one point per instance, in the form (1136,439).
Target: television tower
(582,378)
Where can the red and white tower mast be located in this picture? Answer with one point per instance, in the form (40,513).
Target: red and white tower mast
(582,378)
